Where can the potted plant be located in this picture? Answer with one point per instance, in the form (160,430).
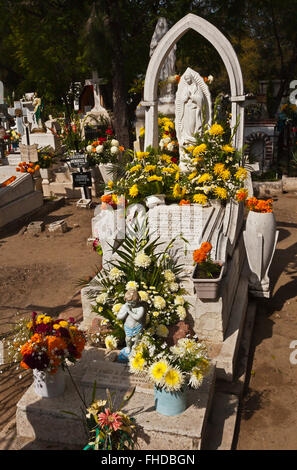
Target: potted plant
(43,345)
(207,274)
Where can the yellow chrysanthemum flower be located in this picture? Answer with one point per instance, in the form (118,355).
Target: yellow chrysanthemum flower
(190,148)
(204,178)
(178,192)
(200,199)
(110,184)
(221,193)
(216,129)
(142,155)
(135,168)
(64,324)
(154,178)
(137,362)
(227,148)
(225,174)
(149,168)
(141,132)
(218,168)
(166,158)
(199,149)
(133,191)
(192,175)
(47,319)
(168,170)
(241,174)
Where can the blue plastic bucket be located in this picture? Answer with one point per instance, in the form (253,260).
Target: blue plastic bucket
(170,403)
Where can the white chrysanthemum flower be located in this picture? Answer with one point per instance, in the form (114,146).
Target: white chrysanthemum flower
(181,312)
(142,260)
(179,300)
(187,344)
(162,331)
(167,140)
(115,274)
(102,298)
(114,150)
(89,148)
(169,275)
(117,307)
(99,148)
(156,314)
(159,302)
(111,342)
(170,147)
(115,143)
(161,144)
(131,285)
(143,295)
(196,378)
(173,286)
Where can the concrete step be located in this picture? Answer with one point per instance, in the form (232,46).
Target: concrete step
(44,419)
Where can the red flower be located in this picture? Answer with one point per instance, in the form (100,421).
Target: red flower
(111,420)
(109,131)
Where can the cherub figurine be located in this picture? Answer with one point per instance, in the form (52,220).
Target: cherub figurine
(133,315)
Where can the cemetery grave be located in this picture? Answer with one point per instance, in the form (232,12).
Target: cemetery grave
(185,255)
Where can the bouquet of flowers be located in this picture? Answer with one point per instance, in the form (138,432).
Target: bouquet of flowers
(156,277)
(25,167)
(71,135)
(45,157)
(170,367)
(110,429)
(105,149)
(207,268)
(167,137)
(148,173)
(14,137)
(259,205)
(49,343)
(214,168)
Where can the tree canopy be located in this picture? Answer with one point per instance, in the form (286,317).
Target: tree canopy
(47,46)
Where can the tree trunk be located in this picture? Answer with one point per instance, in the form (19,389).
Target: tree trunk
(120,108)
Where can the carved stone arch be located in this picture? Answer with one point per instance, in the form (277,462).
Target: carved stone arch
(229,57)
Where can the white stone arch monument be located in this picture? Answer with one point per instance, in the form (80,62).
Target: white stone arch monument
(228,56)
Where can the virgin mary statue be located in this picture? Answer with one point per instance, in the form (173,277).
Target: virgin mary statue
(193,101)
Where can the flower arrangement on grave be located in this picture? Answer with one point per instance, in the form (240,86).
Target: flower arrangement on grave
(171,368)
(105,149)
(206,267)
(154,275)
(45,157)
(29,167)
(214,168)
(259,205)
(8,182)
(45,343)
(14,137)
(71,135)
(109,427)
(148,173)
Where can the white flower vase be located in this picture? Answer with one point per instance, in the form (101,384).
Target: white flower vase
(48,385)
(154,200)
(260,238)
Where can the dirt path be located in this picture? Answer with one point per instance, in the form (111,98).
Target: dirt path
(269,413)
(40,273)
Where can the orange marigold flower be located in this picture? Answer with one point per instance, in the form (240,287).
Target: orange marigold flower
(206,247)
(106,198)
(55,343)
(184,202)
(199,256)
